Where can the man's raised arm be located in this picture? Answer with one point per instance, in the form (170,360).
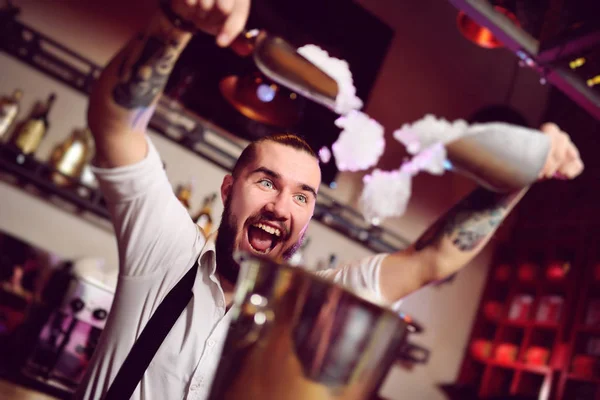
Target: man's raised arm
(455,238)
(126,93)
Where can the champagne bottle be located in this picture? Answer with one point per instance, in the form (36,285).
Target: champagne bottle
(184,193)
(30,134)
(71,156)
(204,217)
(9,108)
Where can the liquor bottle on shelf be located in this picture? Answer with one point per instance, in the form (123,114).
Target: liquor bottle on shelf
(204,217)
(332,261)
(322,265)
(28,136)
(9,108)
(184,194)
(71,156)
(329,263)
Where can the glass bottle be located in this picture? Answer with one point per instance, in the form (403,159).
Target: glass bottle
(9,108)
(31,132)
(71,156)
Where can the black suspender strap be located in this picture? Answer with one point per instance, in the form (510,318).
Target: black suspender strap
(151,338)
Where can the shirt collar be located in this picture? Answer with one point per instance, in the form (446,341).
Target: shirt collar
(208,254)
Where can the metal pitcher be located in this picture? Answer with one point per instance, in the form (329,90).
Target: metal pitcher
(294,335)
(280,62)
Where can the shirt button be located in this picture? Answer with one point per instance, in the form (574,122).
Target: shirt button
(211,343)
(220,303)
(194,387)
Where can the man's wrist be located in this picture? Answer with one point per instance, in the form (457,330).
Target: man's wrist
(166,30)
(174,19)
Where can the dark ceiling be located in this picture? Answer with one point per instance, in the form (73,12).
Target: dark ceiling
(553,34)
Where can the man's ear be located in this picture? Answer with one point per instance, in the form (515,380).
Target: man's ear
(226,186)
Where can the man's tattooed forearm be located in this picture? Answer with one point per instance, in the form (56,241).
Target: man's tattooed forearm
(145,71)
(470,222)
(468,229)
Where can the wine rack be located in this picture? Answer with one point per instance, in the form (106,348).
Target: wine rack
(187,129)
(489,370)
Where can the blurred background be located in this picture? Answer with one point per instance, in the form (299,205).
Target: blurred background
(521,321)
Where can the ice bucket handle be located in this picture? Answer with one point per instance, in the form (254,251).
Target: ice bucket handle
(255,315)
(413,326)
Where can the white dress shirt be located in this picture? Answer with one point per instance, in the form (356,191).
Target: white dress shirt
(158,242)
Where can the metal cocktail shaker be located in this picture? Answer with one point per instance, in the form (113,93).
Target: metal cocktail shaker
(500,157)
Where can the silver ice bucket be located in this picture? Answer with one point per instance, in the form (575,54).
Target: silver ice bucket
(294,335)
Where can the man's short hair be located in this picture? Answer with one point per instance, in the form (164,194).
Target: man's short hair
(286,139)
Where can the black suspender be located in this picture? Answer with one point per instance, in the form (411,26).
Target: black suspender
(151,338)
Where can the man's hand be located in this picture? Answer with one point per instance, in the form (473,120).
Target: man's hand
(224,19)
(125,95)
(563,160)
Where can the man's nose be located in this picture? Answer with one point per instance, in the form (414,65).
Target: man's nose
(279,206)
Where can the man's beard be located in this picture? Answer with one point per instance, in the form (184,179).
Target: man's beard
(227,267)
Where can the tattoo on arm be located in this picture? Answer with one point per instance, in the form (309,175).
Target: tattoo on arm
(145,70)
(471,221)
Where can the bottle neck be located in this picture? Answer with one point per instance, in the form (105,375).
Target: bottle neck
(208,202)
(45,109)
(206,207)
(184,194)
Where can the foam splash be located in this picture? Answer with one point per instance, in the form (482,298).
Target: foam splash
(428,131)
(360,144)
(324,154)
(431,159)
(385,194)
(339,70)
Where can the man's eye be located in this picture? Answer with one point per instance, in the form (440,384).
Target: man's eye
(266,183)
(301,198)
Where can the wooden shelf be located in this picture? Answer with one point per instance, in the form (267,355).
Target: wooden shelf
(536,369)
(594,330)
(28,170)
(530,324)
(575,377)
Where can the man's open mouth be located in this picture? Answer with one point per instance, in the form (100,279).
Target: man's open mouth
(263,237)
